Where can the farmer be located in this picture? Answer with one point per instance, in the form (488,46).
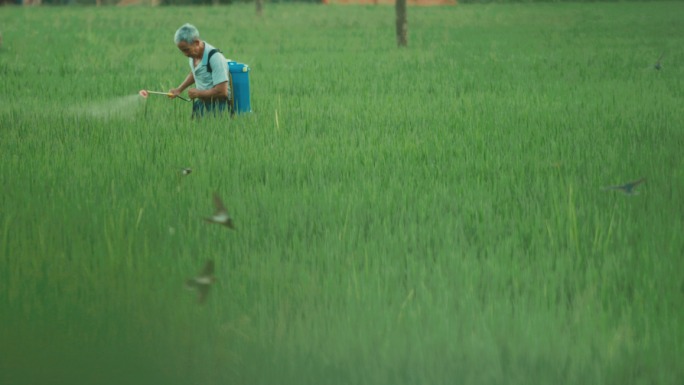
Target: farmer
(208,70)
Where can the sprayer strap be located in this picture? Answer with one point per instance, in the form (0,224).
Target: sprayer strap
(211,53)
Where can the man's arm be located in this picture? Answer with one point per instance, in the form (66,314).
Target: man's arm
(190,80)
(219,91)
(219,77)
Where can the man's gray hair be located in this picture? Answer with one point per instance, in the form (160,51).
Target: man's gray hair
(187,33)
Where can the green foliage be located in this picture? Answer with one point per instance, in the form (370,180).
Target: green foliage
(207,2)
(553,1)
(429,215)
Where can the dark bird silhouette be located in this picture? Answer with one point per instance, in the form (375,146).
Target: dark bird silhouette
(220,214)
(628,188)
(184,171)
(203,282)
(657,65)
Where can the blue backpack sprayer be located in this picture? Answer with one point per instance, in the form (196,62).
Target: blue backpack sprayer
(238,75)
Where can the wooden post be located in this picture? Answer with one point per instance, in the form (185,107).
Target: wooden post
(259,6)
(402,25)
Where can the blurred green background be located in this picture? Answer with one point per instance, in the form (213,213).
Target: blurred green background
(426,215)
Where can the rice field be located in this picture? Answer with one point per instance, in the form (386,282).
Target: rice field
(428,215)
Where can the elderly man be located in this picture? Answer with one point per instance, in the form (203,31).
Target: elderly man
(208,70)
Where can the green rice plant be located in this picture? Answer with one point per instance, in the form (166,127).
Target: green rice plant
(425,215)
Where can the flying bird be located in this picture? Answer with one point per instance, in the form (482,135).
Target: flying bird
(183,170)
(220,214)
(657,65)
(628,188)
(203,282)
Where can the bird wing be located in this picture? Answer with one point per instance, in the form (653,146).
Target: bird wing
(636,183)
(661,56)
(219,209)
(208,269)
(613,188)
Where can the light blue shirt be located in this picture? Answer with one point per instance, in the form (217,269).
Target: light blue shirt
(219,70)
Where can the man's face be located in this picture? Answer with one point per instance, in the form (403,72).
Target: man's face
(190,50)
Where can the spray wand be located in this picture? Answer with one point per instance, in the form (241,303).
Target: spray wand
(144,94)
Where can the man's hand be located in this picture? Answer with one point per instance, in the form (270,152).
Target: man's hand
(193,93)
(186,83)
(175,93)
